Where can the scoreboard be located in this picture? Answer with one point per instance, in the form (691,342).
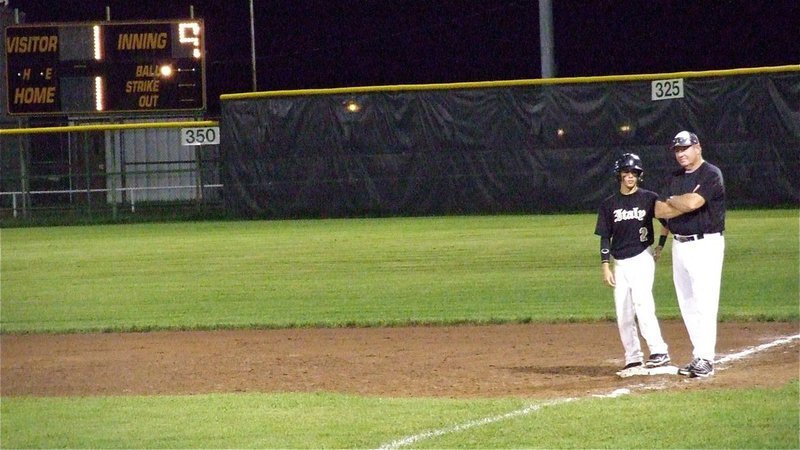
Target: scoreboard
(105,67)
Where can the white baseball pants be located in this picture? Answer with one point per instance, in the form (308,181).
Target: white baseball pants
(633,298)
(697,275)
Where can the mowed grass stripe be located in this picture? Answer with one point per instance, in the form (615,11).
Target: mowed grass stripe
(356,272)
(756,418)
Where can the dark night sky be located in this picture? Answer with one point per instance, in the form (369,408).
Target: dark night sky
(338,43)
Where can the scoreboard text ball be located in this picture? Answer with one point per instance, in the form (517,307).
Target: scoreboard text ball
(105,67)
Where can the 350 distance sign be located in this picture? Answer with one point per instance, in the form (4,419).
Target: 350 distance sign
(200,136)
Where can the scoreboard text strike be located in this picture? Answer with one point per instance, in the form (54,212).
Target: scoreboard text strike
(105,67)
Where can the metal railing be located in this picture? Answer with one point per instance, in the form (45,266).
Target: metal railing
(105,170)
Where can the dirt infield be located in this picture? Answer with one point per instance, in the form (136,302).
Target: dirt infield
(528,360)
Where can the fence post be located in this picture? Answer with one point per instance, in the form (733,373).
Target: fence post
(88,166)
(198,186)
(23,172)
(110,174)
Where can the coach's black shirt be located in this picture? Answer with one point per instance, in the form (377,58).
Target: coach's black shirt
(707,181)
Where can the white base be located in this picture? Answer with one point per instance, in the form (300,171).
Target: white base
(641,370)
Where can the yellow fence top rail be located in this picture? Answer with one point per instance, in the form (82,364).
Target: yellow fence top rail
(110,127)
(508,83)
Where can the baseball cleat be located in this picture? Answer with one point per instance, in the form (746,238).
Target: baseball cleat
(687,369)
(631,369)
(698,368)
(702,369)
(657,360)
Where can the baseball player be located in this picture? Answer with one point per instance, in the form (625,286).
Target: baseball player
(625,227)
(695,211)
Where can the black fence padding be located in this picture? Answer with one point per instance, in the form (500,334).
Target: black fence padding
(518,149)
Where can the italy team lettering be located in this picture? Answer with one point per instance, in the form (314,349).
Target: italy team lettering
(634,214)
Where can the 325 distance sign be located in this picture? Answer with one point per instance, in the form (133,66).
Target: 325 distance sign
(666,89)
(105,67)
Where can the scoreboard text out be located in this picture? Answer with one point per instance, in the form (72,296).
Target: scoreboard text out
(105,67)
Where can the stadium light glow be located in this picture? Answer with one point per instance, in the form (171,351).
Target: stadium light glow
(352,106)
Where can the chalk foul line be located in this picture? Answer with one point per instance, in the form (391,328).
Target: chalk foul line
(472,424)
(756,349)
(530,409)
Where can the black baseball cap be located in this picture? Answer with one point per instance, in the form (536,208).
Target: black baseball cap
(684,139)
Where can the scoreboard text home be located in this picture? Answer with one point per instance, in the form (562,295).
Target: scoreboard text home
(105,67)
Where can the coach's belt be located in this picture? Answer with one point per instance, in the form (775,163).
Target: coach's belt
(694,237)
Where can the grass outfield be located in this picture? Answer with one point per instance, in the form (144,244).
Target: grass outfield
(374,272)
(365,272)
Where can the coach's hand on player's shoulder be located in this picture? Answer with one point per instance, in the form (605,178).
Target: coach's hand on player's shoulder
(608,275)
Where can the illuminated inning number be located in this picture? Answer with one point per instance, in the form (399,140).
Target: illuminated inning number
(189,33)
(666,89)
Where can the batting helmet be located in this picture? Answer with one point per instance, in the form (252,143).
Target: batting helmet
(629,162)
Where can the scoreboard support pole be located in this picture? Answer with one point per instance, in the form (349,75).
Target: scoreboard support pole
(23,172)
(112,179)
(198,185)
(88,175)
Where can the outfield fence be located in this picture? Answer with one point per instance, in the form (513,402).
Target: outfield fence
(451,149)
(107,171)
(496,147)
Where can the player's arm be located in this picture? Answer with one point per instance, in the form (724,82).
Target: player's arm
(677,205)
(605,261)
(662,240)
(666,211)
(686,202)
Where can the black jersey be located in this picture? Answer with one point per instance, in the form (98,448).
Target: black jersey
(707,181)
(628,221)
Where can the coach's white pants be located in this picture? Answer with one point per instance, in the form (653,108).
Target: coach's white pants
(697,275)
(633,298)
